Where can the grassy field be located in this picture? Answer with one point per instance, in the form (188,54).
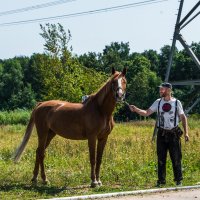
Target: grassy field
(129,163)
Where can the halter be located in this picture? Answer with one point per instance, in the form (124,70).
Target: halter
(122,100)
(115,93)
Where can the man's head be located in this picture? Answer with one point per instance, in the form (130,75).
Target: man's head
(165,89)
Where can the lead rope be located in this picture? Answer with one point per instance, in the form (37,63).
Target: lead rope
(125,102)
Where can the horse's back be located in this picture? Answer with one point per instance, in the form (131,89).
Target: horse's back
(49,110)
(64,118)
(53,104)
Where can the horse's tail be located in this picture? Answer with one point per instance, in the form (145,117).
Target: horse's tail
(27,135)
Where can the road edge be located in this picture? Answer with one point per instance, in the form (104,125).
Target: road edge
(126,193)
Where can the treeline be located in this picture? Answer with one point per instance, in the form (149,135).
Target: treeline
(58,74)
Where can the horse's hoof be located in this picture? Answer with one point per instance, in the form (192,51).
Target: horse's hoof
(45,182)
(94,184)
(34,182)
(99,183)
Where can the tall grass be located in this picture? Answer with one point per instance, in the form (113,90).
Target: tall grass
(14,117)
(129,163)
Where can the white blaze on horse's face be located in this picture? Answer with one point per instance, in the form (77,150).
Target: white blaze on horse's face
(120,91)
(119,86)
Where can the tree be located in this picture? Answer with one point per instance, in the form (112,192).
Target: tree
(164,57)
(35,73)
(24,98)
(115,55)
(91,60)
(56,40)
(153,57)
(63,75)
(12,89)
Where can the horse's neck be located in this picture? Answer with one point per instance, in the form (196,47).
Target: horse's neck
(106,100)
(108,105)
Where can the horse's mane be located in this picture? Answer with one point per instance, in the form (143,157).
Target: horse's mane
(103,90)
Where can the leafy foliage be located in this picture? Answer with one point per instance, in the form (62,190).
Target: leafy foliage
(58,74)
(14,93)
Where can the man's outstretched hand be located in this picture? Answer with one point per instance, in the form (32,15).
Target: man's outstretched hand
(132,108)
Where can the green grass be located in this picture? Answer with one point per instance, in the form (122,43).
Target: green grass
(18,116)
(129,163)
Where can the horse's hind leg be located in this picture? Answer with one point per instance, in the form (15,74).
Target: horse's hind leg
(50,136)
(44,138)
(36,169)
(37,165)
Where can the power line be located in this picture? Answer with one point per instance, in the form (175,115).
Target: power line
(108,9)
(35,7)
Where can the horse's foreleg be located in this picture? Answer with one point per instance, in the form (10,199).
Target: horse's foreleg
(92,152)
(100,148)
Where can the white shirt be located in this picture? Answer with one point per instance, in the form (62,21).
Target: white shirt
(167,112)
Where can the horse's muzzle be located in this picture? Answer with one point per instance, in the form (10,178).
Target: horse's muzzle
(120,96)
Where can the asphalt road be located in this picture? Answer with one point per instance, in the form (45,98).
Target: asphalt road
(193,194)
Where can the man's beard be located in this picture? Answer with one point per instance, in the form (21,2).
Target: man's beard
(163,95)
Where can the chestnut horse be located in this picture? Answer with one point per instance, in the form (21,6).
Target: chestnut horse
(90,121)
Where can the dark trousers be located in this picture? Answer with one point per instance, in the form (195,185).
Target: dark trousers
(167,140)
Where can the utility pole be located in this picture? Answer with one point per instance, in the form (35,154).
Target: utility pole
(180,24)
(176,32)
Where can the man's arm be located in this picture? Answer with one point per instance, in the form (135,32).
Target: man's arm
(185,126)
(141,112)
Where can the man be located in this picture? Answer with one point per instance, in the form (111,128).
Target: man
(169,110)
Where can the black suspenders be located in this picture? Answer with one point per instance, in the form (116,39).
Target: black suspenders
(175,113)
(159,113)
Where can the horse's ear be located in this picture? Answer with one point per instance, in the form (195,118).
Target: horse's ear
(124,71)
(113,70)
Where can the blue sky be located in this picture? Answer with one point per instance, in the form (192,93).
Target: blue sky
(145,27)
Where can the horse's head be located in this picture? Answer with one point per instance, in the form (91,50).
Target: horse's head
(119,84)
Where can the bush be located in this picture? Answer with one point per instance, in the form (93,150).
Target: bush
(14,117)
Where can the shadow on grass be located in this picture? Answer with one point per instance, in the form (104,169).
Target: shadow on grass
(43,190)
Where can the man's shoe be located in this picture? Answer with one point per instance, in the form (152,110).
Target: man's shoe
(160,184)
(178,183)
